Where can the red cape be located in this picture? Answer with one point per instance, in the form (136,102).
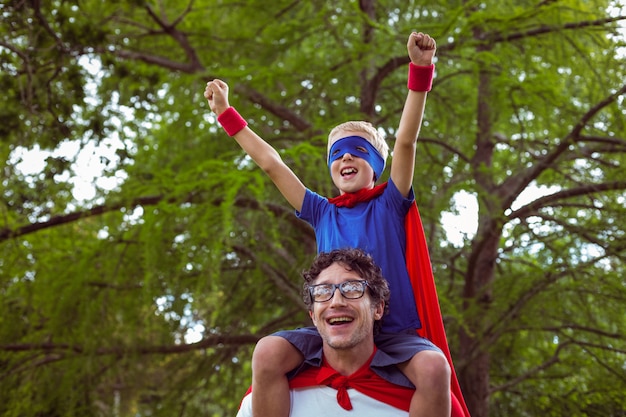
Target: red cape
(425,292)
(363,380)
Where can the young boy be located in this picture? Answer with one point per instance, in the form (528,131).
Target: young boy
(365,216)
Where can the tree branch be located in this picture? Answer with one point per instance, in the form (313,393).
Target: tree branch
(279,279)
(36,4)
(554,359)
(278,110)
(511,188)
(188,68)
(191,67)
(278,210)
(180,38)
(576,327)
(207,342)
(445,145)
(544,29)
(552,199)
(7,233)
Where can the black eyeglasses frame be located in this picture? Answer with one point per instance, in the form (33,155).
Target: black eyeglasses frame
(335,287)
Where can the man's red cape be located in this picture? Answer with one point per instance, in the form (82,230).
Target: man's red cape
(363,380)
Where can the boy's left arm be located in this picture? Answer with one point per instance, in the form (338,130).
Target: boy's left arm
(421,48)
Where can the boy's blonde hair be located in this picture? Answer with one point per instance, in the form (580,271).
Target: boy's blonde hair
(370,133)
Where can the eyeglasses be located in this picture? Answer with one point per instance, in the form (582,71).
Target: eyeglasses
(348,289)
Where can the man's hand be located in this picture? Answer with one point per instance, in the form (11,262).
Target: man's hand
(421,48)
(216,92)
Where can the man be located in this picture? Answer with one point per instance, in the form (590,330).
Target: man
(347,296)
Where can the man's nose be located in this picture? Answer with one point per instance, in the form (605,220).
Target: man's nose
(337,298)
(346,156)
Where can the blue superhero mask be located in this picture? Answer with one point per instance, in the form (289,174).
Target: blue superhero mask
(360,148)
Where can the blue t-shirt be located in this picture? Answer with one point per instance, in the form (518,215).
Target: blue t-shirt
(377,227)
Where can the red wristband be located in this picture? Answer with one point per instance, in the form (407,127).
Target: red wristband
(231,121)
(420,77)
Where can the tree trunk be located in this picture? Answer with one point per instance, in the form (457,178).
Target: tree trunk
(474,380)
(480,270)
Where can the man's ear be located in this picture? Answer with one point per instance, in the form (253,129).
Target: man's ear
(312,317)
(379,311)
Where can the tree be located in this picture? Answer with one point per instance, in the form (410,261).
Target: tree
(99,295)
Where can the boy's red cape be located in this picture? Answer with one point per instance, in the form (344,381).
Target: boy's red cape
(425,292)
(423,284)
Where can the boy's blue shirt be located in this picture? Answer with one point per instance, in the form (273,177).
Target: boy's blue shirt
(377,227)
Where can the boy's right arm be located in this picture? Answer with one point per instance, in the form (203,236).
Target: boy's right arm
(261,152)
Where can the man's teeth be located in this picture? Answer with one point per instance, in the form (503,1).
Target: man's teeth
(336,320)
(348,171)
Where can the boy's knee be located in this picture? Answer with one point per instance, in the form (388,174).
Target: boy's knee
(437,369)
(266,351)
(274,354)
(429,368)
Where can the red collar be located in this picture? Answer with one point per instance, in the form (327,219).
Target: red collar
(352,199)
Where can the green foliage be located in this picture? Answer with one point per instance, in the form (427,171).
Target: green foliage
(146,298)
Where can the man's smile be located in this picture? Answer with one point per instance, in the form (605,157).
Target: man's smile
(339,320)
